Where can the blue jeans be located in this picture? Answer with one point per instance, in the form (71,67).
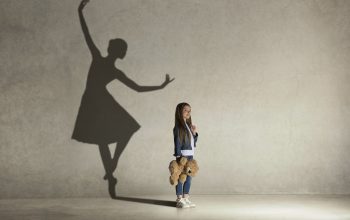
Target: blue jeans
(184,188)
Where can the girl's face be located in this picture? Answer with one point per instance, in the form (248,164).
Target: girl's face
(186,112)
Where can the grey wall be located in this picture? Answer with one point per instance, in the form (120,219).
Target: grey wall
(268,82)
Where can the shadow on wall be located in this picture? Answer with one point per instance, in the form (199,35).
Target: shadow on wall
(101,120)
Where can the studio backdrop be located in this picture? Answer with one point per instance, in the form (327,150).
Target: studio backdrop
(267,80)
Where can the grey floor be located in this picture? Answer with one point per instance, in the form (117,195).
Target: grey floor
(216,207)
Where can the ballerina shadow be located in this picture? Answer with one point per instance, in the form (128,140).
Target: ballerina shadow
(101,120)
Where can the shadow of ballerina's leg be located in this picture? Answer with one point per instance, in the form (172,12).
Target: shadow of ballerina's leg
(108,165)
(120,147)
(106,159)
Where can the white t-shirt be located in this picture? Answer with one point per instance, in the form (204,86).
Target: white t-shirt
(189,152)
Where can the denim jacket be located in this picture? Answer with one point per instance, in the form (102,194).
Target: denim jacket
(185,145)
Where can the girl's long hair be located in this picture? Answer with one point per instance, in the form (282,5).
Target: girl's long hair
(180,123)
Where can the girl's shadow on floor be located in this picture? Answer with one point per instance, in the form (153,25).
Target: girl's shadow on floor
(148,201)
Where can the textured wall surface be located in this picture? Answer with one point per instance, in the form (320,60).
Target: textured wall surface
(268,82)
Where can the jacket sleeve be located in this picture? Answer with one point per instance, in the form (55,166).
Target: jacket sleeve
(195,138)
(177,144)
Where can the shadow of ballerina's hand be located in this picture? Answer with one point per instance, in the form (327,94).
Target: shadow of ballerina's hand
(82,4)
(167,79)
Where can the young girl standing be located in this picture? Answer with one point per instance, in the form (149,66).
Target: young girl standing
(185,138)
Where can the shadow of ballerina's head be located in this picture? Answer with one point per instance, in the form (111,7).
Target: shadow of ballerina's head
(117,48)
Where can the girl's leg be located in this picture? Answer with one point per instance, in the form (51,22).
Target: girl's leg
(179,190)
(187,190)
(187,186)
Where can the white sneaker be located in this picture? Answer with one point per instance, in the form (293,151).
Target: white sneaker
(191,204)
(181,203)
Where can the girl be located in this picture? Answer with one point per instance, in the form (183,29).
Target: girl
(185,138)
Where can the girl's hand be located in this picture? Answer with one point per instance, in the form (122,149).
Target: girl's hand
(167,80)
(194,129)
(82,4)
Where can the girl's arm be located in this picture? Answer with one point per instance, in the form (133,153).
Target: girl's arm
(195,137)
(93,49)
(195,134)
(177,144)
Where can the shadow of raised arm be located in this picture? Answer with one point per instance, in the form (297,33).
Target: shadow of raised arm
(93,49)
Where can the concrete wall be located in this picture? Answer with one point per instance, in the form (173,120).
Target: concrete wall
(268,82)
